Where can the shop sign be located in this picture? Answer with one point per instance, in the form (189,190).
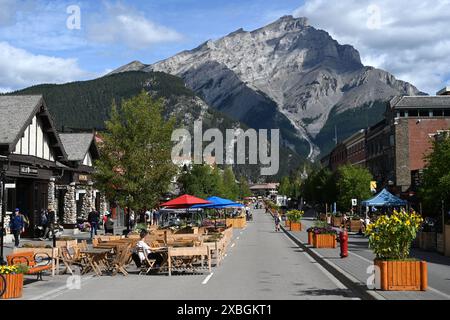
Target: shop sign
(83,178)
(28,171)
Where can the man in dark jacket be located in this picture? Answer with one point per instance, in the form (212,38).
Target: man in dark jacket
(51,219)
(94,219)
(17,226)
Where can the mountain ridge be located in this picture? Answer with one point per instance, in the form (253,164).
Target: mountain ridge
(301,69)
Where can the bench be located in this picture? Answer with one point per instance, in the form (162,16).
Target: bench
(36,266)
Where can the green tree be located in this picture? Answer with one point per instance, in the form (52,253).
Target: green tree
(198,181)
(285,187)
(353,182)
(231,188)
(135,166)
(436,177)
(244,188)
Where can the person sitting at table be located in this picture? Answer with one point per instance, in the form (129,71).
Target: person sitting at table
(138,256)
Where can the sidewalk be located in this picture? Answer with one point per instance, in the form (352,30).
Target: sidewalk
(355,267)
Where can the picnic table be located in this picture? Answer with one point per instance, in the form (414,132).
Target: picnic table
(96,260)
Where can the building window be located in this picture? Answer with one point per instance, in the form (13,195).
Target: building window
(438,113)
(446,113)
(413,113)
(424,113)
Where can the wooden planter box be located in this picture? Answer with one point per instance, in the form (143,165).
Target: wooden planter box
(447,241)
(324,241)
(440,243)
(310,238)
(288,224)
(14,286)
(354,225)
(403,275)
(336,221)
(237,223)
(296,226)
(427,241)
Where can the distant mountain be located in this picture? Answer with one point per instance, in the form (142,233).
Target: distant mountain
(87,104)
(286,75)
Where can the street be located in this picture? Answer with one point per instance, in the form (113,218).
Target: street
(260,264)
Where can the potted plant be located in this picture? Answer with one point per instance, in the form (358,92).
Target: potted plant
(354,224)
(322,236)
(13,276)
(295,217)
(390,238)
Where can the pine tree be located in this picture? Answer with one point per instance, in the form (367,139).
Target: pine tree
(135,167)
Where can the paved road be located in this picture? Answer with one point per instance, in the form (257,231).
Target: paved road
(261,264)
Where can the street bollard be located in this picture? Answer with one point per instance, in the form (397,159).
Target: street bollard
(343,239)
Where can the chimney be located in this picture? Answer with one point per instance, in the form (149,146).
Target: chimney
(444,92)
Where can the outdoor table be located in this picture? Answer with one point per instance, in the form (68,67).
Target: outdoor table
(182,252)
(96,259)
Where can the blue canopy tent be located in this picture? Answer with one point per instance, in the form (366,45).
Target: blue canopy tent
(218,203)
(385,199)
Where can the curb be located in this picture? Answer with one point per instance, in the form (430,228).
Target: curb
(344,277)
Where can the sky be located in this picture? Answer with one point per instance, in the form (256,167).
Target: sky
(48,41)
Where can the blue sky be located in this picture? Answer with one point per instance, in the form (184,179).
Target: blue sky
(36,46)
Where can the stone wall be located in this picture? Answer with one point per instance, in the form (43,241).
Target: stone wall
(103,204)
(51,195)
(70,205)
(88,202)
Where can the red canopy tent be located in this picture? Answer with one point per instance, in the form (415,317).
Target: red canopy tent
(185,201)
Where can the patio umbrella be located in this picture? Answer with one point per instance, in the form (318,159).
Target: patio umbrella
(184,202)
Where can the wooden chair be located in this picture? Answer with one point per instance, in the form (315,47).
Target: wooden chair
(120,260)
(147,264)
(71,259)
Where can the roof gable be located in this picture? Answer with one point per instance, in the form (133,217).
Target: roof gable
(77,145)
(15,114)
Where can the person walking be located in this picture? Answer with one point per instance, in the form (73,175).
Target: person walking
(156,217)
(277,222)
(17,226)
(94,219)
(109,225)
(43,224)
(51,220)
(132,220)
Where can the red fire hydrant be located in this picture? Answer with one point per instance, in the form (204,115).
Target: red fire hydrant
(343,239)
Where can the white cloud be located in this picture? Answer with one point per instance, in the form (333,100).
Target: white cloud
(20,68)
(408,38)
(125,26)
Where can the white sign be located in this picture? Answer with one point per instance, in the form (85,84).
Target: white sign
(354,202)
(10,185)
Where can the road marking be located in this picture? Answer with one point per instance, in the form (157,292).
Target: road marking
(429,288)
(233,245)
(207,278)
(59,291)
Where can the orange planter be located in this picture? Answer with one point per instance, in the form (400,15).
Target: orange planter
(288,224)
(324,241)
(14,286)
(403,275)
(296,226)
(310,238)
